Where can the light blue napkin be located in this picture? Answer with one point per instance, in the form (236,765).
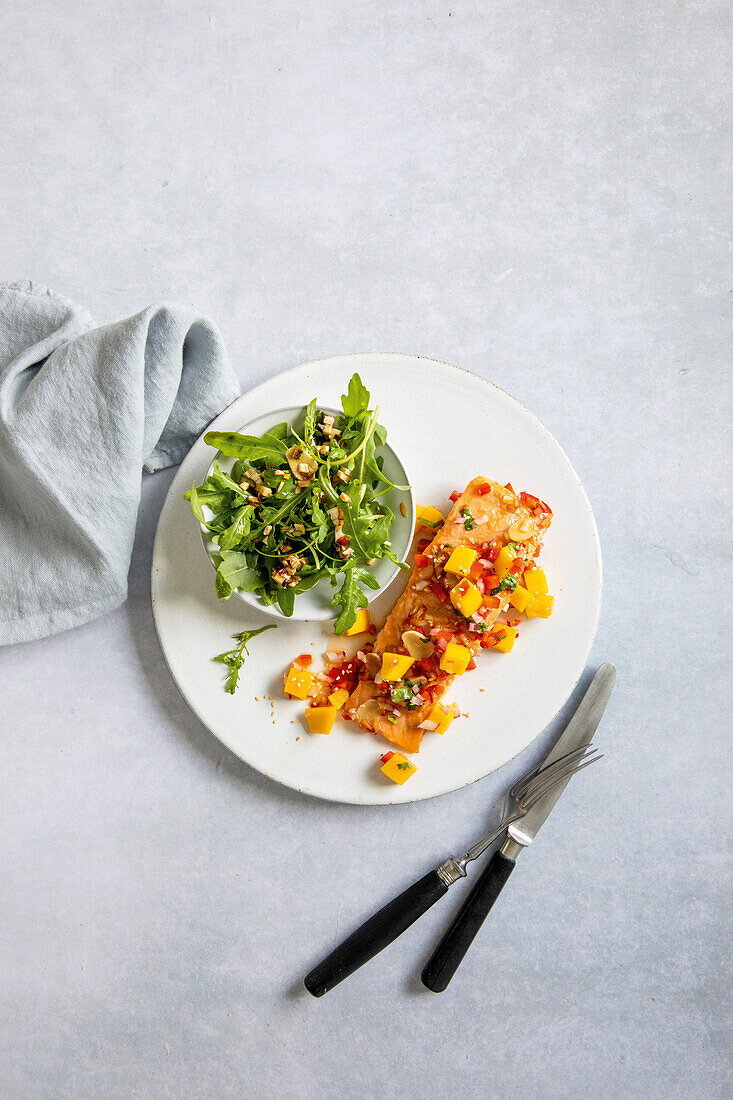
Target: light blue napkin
(82,410)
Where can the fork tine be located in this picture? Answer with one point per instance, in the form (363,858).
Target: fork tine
(534,772)
(522,787)
(540,793)
(542,783)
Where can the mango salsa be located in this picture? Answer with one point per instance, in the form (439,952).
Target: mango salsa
(338,697)
(442,715)
(466,598)
(298,682)
(395,665)
(456,658)
(540,607)
(429,517)
(519,598)
(320,719)
(503,562)
(535,582)
(397,767)
(361,623)
(504,645)
(461,560)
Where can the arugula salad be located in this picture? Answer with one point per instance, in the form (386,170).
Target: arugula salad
(298,508)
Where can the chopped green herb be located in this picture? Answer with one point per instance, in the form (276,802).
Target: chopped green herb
(510,581)
(405,693)
(405,766)
(470,522)
(234,658)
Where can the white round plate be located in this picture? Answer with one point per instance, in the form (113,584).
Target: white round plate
(448,426)
(315,604)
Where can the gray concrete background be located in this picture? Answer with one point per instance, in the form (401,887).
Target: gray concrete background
(537,192)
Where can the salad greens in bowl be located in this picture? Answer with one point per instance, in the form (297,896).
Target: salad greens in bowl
(306,512)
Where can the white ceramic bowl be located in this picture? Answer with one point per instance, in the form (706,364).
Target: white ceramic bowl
(315,605)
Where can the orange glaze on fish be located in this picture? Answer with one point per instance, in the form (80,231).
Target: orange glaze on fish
(500,516)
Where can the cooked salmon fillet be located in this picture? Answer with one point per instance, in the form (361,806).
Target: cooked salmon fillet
(484,518)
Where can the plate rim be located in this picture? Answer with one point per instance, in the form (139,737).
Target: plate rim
(344,799)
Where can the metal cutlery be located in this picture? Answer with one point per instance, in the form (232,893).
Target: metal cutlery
(451,950)
(531,791)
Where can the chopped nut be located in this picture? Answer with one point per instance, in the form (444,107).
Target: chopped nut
(345,497)
(343,475)
(265,491)
(267,530)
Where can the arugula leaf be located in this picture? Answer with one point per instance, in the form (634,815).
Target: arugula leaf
(234,658)
(324,527)
(233,572)
(239,529)
(268,448)
(311,414)
(285,600)
(351,597)
(357,398)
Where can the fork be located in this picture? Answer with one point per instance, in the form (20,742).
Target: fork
(397,916)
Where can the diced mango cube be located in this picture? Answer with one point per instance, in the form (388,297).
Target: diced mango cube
(397,767)
(539,607)
(503,562)
(395,665)
(338,697)
(461,560)
(429,517)
(298,682)
(519,598)
(455,659)
(442,715)
(320,719)
(361,623)
(504,645)
(466,598)
(535,582)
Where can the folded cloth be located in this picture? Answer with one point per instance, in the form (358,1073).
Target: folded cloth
(82,410)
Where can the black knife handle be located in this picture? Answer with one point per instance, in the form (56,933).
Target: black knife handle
(375,934)
(449,953)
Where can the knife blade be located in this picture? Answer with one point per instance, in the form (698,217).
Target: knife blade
(579,731)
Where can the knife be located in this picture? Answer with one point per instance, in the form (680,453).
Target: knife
(579,731)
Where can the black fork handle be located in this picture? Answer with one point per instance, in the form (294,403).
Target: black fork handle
(376,934)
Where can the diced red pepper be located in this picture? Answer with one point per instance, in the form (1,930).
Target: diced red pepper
(387,756)
(454,496)
(476,570)
(442,639)
(517,565)
(372,628)
(439,591)
(471,665)
(490,581)
(421,560)
(427,664)
(482,490)
(423,545)
(529,500)
(499,632)
(509,486)
(488,641)
(492,554)
(304,659)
